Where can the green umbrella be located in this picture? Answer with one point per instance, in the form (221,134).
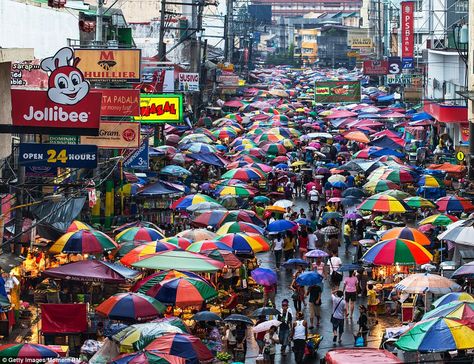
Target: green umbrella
(183,259)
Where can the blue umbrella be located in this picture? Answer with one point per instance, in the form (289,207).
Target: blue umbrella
(339,184)
(264,276)
(331,215)
(282,166)
(348,267)
(353,192)
(303,221)
(175,170)
(280,225)
(293,263)
(309,279)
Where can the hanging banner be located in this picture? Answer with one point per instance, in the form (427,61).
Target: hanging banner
(464,132)
(110,65)
(115,135)
(337,91)
(58,155)
(28,75)
(408,33)
(116,102)
(188,82)
(375,68)
(164,108)
(140,159)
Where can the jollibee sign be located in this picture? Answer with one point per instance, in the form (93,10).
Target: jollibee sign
(67,104)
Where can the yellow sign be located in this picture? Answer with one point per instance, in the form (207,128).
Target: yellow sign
(460,156)
(352,54)
(110,64)
(115,135)
(361,43)
(164,108)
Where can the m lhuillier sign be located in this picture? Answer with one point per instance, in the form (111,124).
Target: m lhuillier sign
(67,104)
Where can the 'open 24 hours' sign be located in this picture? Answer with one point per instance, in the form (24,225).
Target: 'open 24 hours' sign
(58,155)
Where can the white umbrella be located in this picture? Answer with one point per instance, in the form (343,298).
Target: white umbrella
(319,135)
(461,232)
(265,326)
(205,206)
(283,203)
(427,282)
(336,178)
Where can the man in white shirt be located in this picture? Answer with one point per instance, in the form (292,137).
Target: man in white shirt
(312,238)
(313,199)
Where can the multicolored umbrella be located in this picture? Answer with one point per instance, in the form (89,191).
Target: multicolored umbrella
(148,357)
(83,242)
(406,233)
(145,250)
(397,251)
(264,276)
(184,202)
(185,292)
(210,218)
(454,204)
(274,149)
(239,227)
(242,215)
(197,234)
(453,297)
(196,147)
(375,186)
(23,352)
(235,191)
(182,243)
(224,256)
(126,247)
(416,202)
(439,220)
(130,307)
(438,334)
(139,234)
(183,259)
(430,181)
(426,282)
(383,203)
(244,174)
(248,243)
(200,246)
(150,285)
(398,176)
(78,225)
(460,310)
(186,346)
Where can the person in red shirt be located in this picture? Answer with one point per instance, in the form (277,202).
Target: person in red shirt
(303,243)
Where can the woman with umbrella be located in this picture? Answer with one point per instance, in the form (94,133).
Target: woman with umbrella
(298,291)
(270,340)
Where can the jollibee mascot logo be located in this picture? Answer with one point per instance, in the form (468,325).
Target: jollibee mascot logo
(66,85)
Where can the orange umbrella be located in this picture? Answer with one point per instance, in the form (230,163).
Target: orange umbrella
(407,234)
(357,136)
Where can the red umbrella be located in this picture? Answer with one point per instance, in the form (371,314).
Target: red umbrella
(233,103)
(183,345)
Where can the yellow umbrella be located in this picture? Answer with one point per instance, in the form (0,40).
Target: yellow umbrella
(277,209)
(298,163)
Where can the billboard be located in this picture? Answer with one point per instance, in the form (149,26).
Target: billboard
(337,91)
(164,108)
(115,135)
(58,155)
(408,33)
(156,78)
(188,82)
(110,65)
(375,68)
(119,102)
(28,75)
(357,43)
(139,159)
(261,13)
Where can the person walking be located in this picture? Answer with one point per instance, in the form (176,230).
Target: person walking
(338,313)
(313,200)
(270,340)
(303,243)
(277,248)
(314,299)
(347,235)
(298,291)
(286,319)
(289,245)
(299,333)
(334,263)
(363,323)
(350,289)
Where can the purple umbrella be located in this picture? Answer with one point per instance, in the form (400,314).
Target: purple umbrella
(264,276)
(353,216)
(322,170)
(316,253)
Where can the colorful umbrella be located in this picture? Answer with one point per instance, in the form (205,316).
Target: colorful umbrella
(309,279)
(186,346)
(185,292)
(78,225)
(23,353)
(406,233)
(182,243)
(210,218)
(242,215)
(316,253)
(383,203)
(426,282)
(199,148)
(175,170)
(150,284)
(148,357)
(239,227)
(130,307)
(452,297)
(397,251)
(145,250)
(139,234)
(438,220)
(264,276)
(184,202)
(464,271)
(244,174)
(200,246)
(438,334)
(235,191)
(248,243)
(274,149)
(454,204)
(416,202)
(197,234)
(398,176)
(460,310)
(374,186)
(430,181)
(83,242)
(281,225)
(224,256)
(183,259)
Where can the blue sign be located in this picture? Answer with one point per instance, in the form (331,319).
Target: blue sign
(58,155)
(138,159)
(407,63)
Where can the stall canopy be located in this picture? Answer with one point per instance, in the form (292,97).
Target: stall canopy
(447,167)
(63,318)
(92,271)
(59,214)
(388,142)
(208,158)
(160,188)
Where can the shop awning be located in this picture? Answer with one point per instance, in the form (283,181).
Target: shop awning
(446,113)
(160,188)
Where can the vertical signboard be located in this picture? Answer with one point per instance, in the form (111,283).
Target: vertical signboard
(408,33)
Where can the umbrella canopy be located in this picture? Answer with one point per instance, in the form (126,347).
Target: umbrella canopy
(398,176)
(78,225)
(353,191)
(200,246)
(206,316)
(224,256)
(416,202)
(239,227)
(183,345)
(465,271)
(454,204)
(330,230)
(244,174)
(23,352)
(150,285)
(238,318)
(430,181)
(265,311)
(197,234)
(265,326)
(438,220)
(235,190)
(284,203)
(438,334)
(357,136)
(309,279)
(407,234)
(242,215)
(281,225)
(426,282)
(461,310)
(453,297)
(184,202)
(182,243)
(175,170)
(148,357)
(185,292)
(264,276)
(205,206)
(83,242)
(139,234)
(295,262)
(316,253)
(383,203)
(185,260)
(210,218)
(397,251)
(380,185)
(248,243)
(130,307)
(145,250)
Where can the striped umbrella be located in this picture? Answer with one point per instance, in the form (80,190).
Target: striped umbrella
(130,307)
(139,234)
(150,284)
(78,225)
(407,234)
(83,242)
(148,357)
(187,261)
(142,251)
(454,204)
(185,292)
(239,227)
(397,251)
(247,243)
(186,201)
(200,246)
(235,190)
(210,218)
(244,174)
(182,243)
(22,353)
(430,181)
(186,346)
(439,220)
(224,256)
(398,176)
(461,310)
(374,186)
(453,297)
(383,203)
(197,234)
(242,215)
(416,202)
(274,149)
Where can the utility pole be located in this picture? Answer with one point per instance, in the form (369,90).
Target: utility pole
(379,31)
(99,23)
(197,10)
(161,44)
(228,32)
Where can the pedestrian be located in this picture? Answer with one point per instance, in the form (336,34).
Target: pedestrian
(347,235)
(270,340)
(313,200)
(372,300)
(319,267)
(312,238)
(240,350)
(269,293)
(299,333)
(230,341)
(338,313)
(277,248)
(289,245)
(314,299)
(286,319)
(363,323)
(303,243)
(334,263)
(298,291)
(350,289)
(333,244)
(259,336)
(362,278)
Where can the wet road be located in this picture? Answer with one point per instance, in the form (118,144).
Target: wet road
(325,328)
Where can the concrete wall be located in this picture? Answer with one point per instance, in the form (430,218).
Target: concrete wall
(5,109)
(29,25)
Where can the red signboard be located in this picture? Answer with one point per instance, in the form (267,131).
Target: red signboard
(117,102)
(35,112)
(64,318)
(446,113)
(375,68)
(465,132)
(28,75)
(408,31)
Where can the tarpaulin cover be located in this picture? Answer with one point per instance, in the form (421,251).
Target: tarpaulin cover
(447,167)
(385,151)
(64,318)
(387,142)
(92,271)
(59,214)
(208,158)
(159,188)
